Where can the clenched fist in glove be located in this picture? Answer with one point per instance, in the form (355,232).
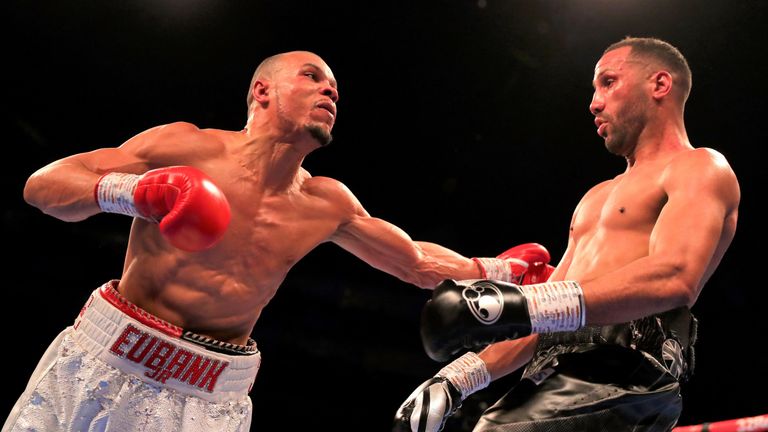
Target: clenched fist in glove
(523,264)
(474,313)
(430,405)
(192,211)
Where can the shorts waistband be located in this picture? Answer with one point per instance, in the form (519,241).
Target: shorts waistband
(157,352)
(667,337)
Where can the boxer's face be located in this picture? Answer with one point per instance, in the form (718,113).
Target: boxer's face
(305,94)
(619,103)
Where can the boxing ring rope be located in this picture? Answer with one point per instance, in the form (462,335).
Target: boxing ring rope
(745,424)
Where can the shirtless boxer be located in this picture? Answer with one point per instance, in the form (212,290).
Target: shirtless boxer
(607,346)
(166,347)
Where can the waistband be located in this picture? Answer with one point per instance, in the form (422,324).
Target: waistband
(667,337)
(132,340)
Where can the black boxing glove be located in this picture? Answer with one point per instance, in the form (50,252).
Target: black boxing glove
(474,313)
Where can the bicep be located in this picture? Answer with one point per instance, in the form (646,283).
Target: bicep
(375,241)
(691,225)
(64,188)
(388,248)
(104,160)
(133,156)
(155,147)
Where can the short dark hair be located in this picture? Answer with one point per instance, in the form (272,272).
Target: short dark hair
(662,52)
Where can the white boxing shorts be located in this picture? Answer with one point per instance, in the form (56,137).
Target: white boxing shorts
(120,369)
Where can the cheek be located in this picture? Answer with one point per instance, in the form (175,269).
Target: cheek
(286,102)
(617,100)
(298,99)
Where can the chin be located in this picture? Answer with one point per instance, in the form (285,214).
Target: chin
(618,147)
(320,134)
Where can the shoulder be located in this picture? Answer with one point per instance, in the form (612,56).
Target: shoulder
(331,191)
(326,187)
(169,130)
(701,170)
(699,163)
(701,157)
(178,142)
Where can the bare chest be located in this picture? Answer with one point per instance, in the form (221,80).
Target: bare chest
(628,204)
(269,233)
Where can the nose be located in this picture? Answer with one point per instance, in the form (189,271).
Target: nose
(597,105)
(331,92)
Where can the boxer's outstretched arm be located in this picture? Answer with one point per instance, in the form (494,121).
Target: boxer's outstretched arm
(388,248)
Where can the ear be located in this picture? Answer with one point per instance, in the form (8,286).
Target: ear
(260,91)
(662,84)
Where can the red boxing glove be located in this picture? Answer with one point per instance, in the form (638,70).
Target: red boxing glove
(193,212)
(538,272)
(523,264)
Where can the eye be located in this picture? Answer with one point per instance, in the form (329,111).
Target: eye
(607,82)
(311,75)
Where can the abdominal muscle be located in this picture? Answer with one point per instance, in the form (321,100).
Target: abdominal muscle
(218,293)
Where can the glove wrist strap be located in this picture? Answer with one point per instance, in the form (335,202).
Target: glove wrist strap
(114,193)
(467,373)
(555,306)
(500,269)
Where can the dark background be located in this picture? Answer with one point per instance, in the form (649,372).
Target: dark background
(465,123)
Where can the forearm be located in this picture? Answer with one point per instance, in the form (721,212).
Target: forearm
(423,264)
(503,358)
(526,263)
(388,248)
(63,190)
(444,263)
(645,287)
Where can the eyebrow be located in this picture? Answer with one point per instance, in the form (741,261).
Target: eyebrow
(319,69)
(597,78)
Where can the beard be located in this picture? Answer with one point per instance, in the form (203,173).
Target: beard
(315,131)
(627,125)
(319,134)
(617,142)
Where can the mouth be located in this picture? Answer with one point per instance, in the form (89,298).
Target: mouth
(328,106)
(601,126)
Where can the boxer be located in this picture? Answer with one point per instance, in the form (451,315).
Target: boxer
(219,218)
(607,339)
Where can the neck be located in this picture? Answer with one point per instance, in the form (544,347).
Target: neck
(661,137)
(273,157)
